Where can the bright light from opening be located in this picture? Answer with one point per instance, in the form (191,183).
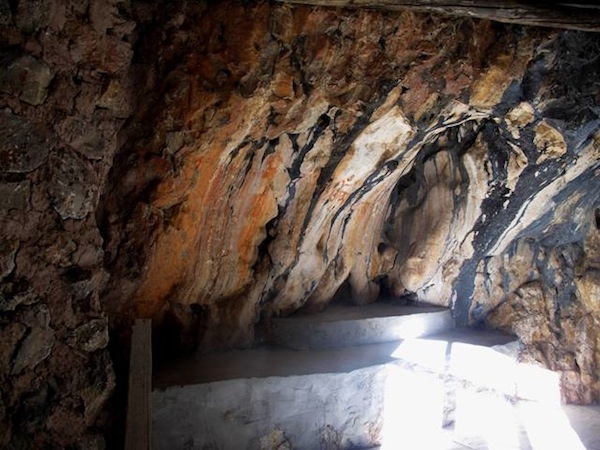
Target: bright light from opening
(413,408)
(411,327)
(485,420)
(484,367)
(539,384)
(426,353)
(496,402)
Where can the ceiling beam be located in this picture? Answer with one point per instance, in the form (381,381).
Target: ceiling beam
(576,15)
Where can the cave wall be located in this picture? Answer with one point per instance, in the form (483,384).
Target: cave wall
(294,152)
(212,166)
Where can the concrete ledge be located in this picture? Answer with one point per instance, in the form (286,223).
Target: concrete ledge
(399,392)
(345,326)
(299,412)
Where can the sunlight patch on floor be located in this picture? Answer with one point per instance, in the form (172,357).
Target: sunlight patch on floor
(494,402)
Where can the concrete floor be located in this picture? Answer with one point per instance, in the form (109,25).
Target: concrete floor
(585,420)
(580,429)
(269,362)
(497,425)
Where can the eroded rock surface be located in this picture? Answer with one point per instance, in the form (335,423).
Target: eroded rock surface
(317,151)
(264,157)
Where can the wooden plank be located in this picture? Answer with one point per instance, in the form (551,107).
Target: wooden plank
(577,15)
(138,430)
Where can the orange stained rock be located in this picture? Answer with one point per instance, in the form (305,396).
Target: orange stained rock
(212,242)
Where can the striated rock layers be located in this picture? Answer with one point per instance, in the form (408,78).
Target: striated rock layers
(288,154)
(213,166)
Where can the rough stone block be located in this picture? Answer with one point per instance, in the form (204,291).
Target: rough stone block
(11,335)
(8,251)
(14,196)
(28,78)
(24,146)
(10,301)
(72,189)
(92,336)
(35,348)
(116,99)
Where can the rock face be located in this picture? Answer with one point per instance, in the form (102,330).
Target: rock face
(293,153)
(213,166)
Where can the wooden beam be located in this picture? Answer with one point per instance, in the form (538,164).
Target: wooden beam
(138,430)
(576,15)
